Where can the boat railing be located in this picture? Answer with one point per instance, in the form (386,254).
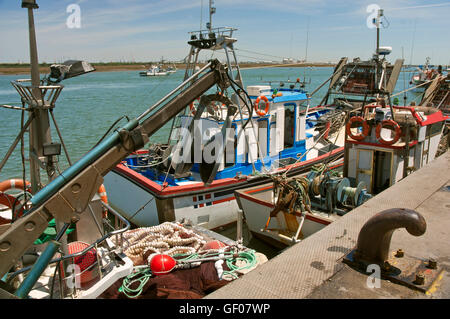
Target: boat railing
(121,226)
(48,93)
(213,33)
(415,114)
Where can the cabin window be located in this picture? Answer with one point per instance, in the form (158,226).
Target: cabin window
(263,137)
(231,147)
(435,128)
(289,125)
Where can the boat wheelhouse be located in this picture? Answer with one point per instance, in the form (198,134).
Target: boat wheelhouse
(286,138)
(386,144)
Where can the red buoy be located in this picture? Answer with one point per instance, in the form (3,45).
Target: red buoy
(215,244)
(162,264)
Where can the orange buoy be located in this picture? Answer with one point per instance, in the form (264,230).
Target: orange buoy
(9,200)
(257,109)
(104,198)
(14,183)
(215,244)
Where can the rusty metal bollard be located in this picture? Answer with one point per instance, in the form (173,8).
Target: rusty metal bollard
(375,236)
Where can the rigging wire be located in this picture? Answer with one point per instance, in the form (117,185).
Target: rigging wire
(109,130)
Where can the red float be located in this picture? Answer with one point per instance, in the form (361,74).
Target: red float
(215,244)
(162,264)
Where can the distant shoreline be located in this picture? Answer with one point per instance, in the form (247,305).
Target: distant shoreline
(17,69)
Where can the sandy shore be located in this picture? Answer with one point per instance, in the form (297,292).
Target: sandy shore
(5,69)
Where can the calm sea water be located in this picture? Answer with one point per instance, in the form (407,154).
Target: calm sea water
(89,105)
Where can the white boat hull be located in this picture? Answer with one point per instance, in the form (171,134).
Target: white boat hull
(143,209)
(257,205)
(137,199)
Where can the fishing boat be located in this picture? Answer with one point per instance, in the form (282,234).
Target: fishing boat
(438,94)
(274,129)
(263,128)
(358,82)
(423,76)
(153,70)
(61,239)
(383,144)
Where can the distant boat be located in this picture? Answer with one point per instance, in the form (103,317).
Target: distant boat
(171,69)
(153,71)
(423,74)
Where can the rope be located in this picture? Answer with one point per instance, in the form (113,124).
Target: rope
(247,257)
(168,238)
(140,276)
(152,164)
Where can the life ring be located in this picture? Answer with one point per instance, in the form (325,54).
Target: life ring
(191,106)
(393,124)
(360,136)
(14,183)
(257,109)
(9,200)
(104,198)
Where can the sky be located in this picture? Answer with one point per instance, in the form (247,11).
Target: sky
(147,30)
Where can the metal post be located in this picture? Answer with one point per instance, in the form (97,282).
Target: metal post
(40,132)
(212,10)
(40,127)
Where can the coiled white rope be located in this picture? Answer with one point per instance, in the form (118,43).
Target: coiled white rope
(143,243)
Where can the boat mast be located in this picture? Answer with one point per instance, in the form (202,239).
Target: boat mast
(307,40)
(40,126)
(219,38)
(377,51)
(377,23)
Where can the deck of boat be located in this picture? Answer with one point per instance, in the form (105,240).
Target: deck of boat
(314,268)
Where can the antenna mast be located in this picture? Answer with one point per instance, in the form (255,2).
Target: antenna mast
(212,10)
(377,23)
